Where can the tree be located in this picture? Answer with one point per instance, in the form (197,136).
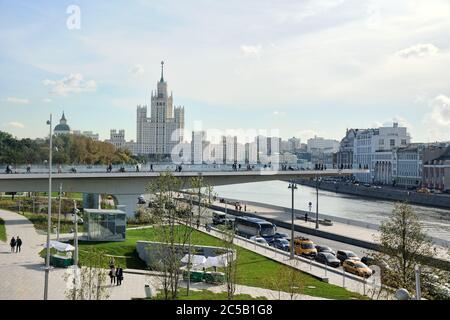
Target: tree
(403,245)
(231,268)
(90,280)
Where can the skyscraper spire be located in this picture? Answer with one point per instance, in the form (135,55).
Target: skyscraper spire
(162,71)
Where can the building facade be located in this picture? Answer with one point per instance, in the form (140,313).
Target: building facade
(436,167)
(408,165)
(344,157)
(117,139)
(158,134)
(373,150)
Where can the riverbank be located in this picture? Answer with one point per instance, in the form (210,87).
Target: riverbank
(384,193)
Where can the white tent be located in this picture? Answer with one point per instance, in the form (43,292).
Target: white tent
(60,246)
(195,259)
(217,261)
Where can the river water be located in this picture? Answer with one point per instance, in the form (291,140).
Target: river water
(435,221)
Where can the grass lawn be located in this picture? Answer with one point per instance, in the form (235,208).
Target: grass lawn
(207,295)
(39,221)
(253,269)
(2,230)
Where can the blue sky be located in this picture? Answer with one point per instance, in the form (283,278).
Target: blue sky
(303,67)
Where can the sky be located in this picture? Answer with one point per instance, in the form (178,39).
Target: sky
(303,68)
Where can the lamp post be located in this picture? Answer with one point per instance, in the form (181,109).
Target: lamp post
(318,181)
(75,236)
(49,216)
(59,212)
(293,187)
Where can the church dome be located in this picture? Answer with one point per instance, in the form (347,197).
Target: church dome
(62,127)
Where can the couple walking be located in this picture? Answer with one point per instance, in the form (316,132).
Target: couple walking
(15,244)
(115,274)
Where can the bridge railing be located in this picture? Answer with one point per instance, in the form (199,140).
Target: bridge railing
(156,167)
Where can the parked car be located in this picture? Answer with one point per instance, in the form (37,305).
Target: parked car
(328,258)
(279,235)
(280,243)
(369,260)
(141,200)
(259,240)
(321,248)
(343,255)
(304,247)
(423,190)
(357,267)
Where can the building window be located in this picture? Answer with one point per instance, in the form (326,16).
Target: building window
(392,142)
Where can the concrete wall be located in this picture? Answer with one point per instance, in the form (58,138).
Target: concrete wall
(385,194)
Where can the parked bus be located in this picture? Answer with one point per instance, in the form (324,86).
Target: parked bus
(249,227)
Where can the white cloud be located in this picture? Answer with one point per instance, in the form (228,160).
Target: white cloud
(138,69)
(304,135)
(279,113)
(17,100)
(14,124)
(74,83)
(251,51)
(437,121)
(419,51)
(47,100)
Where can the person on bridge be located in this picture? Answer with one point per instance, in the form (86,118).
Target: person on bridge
(112,275)
(18,244)
(29,168)
(109,168)
(306,217)
(12,243)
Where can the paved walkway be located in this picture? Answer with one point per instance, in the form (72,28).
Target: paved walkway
(22,274)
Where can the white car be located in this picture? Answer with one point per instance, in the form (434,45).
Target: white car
(259,240)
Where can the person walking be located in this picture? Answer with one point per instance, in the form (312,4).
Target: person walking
(29,168)
(12,243)
(306,217)
(151,166)
(112,275)
(18,244)
(119,275)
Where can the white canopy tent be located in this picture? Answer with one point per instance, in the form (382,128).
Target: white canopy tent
(195,259)
(60,246)
(217,261)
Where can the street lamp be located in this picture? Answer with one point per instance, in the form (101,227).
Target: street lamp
(293,187)
(49,216)
(318,181)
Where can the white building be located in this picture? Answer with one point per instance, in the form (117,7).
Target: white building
(163,130)
(373,150)
(319,144)
(117,139)
(89,134)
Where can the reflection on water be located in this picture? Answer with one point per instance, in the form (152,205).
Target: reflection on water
(435,221)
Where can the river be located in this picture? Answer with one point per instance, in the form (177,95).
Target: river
(435,221)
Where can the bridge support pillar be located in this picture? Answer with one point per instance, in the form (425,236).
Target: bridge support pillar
(127,203)
(92,200)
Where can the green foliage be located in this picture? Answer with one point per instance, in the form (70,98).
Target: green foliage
(70,149)
(208,295)
(2,230)
(403,243)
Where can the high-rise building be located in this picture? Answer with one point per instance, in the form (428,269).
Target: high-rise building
(117,139)
(163,130)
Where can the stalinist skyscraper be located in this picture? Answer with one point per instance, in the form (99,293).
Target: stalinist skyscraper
(158,134)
